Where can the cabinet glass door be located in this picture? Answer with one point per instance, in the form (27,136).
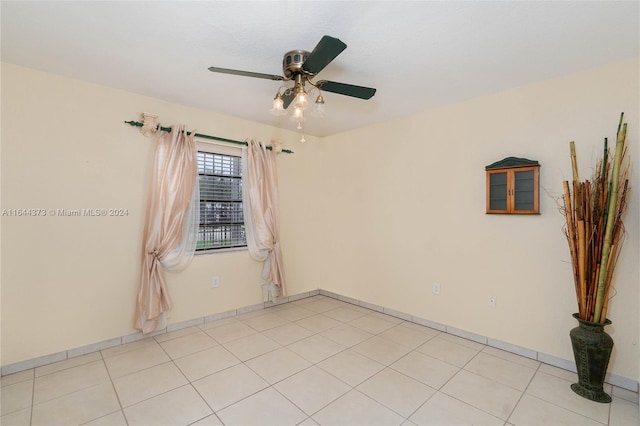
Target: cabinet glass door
(498,194)
(524,185)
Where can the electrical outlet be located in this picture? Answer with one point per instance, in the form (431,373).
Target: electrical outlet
(492,302)
(215,283)
(436,288)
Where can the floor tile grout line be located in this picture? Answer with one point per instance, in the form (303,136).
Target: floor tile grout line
(333,375)
(450,378)
(115,391)
(215,372)
(84,388)
(441,360)
(538,363)
(272,385)
(373,336)
(196,327)
(380,403)
(324,406)
(473,406)
(249,359)
(422,405)
(570,410)
(390,366)
(33,395)
(560,406)
(487,378)
(524,392)
(240,400)
(304,299)
(495,381)
(213,412)
(163,393)
(130,349)
(64,369)
(537,371)
(170,361)
(192,353)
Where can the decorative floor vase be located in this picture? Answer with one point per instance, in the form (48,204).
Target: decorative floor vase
(592,350)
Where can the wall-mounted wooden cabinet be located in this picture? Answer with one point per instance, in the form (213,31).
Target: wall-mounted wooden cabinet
(513,186)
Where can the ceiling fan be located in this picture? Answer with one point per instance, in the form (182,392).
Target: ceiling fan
(301,66)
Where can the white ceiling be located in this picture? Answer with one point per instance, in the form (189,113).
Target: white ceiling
(418,54)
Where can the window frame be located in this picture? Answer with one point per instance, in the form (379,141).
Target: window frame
(224,150)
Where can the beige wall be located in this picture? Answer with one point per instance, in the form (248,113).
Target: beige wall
(72,281)
(404,207)
(377,214)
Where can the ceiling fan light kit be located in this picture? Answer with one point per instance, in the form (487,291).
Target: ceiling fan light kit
(301,66)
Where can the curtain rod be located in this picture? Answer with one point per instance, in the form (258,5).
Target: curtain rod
(200,135)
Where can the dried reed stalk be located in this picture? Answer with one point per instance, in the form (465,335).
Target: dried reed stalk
(594,229)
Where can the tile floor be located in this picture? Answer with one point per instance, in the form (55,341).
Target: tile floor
(315,361)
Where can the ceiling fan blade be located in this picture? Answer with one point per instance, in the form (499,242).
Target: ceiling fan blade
(325,51)
(246,73)
(346,89)
(287,98)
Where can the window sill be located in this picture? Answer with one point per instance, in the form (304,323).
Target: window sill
(216,251)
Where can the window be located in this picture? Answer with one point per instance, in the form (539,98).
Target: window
(512,186)
(221,213)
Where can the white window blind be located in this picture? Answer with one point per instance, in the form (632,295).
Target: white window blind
(221,212)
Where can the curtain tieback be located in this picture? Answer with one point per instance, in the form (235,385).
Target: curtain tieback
(154,254)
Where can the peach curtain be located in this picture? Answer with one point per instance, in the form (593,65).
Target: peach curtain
(260,200)
(169,206)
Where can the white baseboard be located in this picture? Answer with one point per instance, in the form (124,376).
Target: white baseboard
(613,379)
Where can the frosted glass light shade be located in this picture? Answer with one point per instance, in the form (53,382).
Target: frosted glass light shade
(297,115)
(278,106)
(301,100)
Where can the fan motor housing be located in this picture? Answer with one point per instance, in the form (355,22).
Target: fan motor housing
(292,63)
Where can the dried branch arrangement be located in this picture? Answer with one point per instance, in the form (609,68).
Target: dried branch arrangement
(595,232)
